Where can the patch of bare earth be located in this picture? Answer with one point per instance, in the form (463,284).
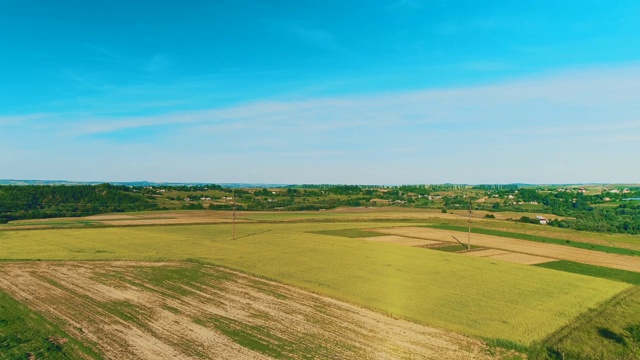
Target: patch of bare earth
(402,240)
(615,261)
(132,310)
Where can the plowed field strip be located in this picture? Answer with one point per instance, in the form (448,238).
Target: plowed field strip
(181,310)
(614,261)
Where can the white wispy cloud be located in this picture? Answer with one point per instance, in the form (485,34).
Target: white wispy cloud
(577,100)
(518,129)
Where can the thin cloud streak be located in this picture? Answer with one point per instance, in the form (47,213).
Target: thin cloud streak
(571,116)
(559,102)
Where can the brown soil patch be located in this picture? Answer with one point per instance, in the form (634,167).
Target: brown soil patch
(615,261)
(179,311)
(402,240)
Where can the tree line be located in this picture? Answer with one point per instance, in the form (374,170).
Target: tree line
(582,209)
(48,201)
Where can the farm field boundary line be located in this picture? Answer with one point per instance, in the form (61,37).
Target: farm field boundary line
(542,239)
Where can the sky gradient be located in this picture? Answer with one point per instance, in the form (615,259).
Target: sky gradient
(357,92)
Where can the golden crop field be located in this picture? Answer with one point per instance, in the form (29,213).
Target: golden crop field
(473,296)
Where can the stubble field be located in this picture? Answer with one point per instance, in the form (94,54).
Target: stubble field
(165,310)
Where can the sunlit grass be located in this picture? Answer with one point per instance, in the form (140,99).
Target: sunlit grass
(479,297)
(25,334)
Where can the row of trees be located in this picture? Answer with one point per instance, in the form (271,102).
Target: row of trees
(48,201)
(623,218)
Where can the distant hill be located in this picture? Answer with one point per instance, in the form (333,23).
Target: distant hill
(134,183)
(265,185)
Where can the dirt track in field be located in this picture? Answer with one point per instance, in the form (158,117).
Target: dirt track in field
(180,311)
(561,252)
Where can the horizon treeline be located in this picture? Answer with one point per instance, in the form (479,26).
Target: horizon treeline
(19,202)
(585,212)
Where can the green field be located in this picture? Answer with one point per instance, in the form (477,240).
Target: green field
(630,277)
(473,296)
(24,333)
(611,331)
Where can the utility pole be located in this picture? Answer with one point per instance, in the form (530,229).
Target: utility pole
(469,236)
(233,231)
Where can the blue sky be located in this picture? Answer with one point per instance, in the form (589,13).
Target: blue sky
(384,92)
